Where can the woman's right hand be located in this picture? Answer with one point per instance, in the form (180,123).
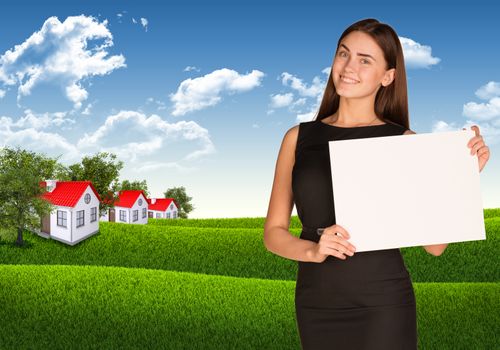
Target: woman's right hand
(333,242)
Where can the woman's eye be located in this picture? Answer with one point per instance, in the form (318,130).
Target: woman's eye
(366,61)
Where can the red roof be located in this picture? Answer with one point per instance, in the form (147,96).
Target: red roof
(127,198)
(68,193)
(161,204)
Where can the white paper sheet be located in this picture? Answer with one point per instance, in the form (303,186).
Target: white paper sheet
(407,190)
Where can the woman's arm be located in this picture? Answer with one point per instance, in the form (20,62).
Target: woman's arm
(277,238)
(434,249)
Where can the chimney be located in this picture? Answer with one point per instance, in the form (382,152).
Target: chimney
(51,185)
(153,200)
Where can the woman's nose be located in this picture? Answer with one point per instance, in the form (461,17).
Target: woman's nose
(350,65)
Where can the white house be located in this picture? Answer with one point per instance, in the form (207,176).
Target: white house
(76,214)
(131,208)
(162,208)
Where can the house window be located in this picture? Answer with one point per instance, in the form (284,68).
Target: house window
(175,214)
(158,215)
(136,215)
(80,218)
(168,215)
(144,210)
(171,206)
(140,202)
(62,218)
(122,215)
(93,214)
(87,198)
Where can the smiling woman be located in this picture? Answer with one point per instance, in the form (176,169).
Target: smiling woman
(343,299)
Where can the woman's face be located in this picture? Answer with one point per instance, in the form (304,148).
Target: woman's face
(360,58)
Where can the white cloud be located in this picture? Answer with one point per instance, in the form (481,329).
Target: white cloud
(39,141)
(202,92)
(144,23)
(488,111)
(140,141)
(155,166)
(305,117)
(160,105)
(32,120)
(490,90)
(87,109)
(281,100)
(60,53)
(441,126)
(417,55)
(190,68)
(309,95)
(485,115)
(2,93)
(485,111)
(313,90)
(141,135)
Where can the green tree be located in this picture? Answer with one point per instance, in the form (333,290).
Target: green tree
(134,185)
(21,204)
(102,170)
(182,199)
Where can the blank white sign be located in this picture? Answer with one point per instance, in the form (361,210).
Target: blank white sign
(407,190)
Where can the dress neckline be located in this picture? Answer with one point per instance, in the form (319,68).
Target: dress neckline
(349,127)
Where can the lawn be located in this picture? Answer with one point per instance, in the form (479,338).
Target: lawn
(211,284)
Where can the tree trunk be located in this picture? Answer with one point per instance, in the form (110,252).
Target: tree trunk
(19,241)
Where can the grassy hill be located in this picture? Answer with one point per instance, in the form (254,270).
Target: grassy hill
(211,284)
(236,251)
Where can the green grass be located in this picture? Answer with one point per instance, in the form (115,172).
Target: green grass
(237,252)
(211,284)
(490,213)
(62,307)
(257,222)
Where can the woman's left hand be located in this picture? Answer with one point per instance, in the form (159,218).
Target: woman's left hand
(477,145)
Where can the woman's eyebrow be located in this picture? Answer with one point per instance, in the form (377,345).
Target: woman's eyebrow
(359,54)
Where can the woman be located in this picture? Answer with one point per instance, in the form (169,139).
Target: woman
(343,299)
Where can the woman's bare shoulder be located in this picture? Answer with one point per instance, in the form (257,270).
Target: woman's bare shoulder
(292,135)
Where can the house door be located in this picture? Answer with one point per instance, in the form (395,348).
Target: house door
(111,215)
(150,214)
(46,224)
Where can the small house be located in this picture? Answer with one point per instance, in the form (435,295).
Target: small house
(75,217)
(162,208)
(131,207)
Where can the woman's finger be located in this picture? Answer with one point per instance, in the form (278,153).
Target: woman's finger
(476,129)
(338,241)
(473,140)
(477,146)
(335,252)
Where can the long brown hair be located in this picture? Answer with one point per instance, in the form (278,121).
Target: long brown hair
(391,102)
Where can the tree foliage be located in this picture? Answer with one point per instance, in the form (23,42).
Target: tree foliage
(134,185)
(182,199)
(102,170)
(21,204)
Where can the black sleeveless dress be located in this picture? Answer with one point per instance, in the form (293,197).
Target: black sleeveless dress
(366,301)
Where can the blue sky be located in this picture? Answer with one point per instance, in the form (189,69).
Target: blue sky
(200,94)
